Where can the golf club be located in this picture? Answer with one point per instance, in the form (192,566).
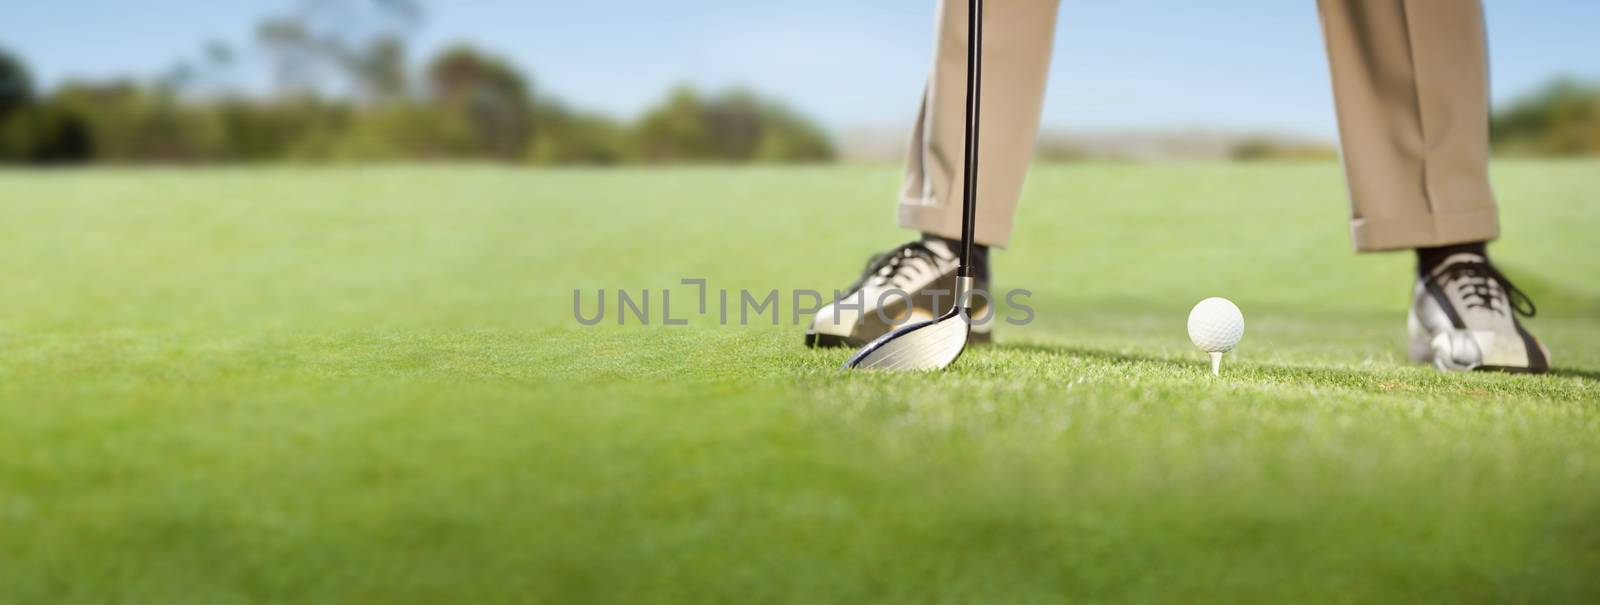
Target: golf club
(935,344)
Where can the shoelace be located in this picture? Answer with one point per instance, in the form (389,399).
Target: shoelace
(889,266)
(1478,283)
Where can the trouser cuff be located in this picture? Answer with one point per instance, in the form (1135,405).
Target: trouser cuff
(923,215)
(1379,233)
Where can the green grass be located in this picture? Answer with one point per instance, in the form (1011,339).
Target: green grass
(339,385)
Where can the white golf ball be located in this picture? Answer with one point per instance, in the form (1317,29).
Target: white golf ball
(1216,325)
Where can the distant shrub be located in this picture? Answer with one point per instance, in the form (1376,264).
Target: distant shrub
(16,85)
(1269,149)
(127,123)
(45,134)
(1053,150)
(735,126)
(400,132)
(485,94)
(563,136)
(300,128)
(1562,118)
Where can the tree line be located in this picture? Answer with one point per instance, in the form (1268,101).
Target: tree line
(340,90)
(476,108)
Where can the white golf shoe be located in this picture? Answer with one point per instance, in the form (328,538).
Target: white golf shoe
(1464,317)
(913,282)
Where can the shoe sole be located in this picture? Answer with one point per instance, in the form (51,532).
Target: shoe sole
(1440,352)
(829,341)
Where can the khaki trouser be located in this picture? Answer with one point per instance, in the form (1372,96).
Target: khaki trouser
(1410,87)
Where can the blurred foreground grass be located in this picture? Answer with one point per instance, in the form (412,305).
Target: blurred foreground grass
(367,385)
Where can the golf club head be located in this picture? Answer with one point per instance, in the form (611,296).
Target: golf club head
(928,345)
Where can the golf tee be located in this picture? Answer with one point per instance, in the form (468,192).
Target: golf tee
(1216,363)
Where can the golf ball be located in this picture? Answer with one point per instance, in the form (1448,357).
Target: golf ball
(1216,325)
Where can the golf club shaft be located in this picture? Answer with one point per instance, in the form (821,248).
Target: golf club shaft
(969,201)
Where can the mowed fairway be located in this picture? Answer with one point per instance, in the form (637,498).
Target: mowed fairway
(367,385)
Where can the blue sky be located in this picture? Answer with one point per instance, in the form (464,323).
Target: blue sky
(1145,64)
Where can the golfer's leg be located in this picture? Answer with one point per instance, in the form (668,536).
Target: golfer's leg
(1411,88)
(1410,81)
(1017,41)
